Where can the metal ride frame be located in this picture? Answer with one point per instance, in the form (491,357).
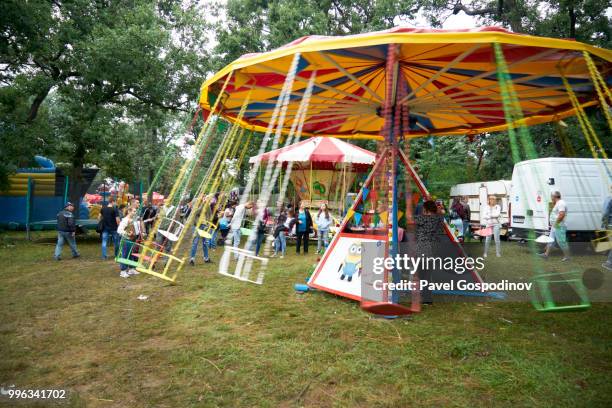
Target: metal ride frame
(437,104)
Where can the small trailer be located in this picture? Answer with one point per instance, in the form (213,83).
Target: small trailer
(477,194)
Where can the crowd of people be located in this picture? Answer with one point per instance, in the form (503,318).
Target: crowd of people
(133,223)
(124,225)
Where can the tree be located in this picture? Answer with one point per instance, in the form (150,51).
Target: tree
(246,26)
(114,72)
(583,20)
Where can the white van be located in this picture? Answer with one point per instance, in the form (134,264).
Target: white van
(477,194)
(583,183)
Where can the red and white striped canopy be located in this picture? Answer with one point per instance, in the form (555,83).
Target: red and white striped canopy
(319,150)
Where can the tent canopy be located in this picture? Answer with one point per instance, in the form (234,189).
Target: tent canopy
(450,79)
(322,152)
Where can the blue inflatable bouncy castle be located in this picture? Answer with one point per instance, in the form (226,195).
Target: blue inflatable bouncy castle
(36,195)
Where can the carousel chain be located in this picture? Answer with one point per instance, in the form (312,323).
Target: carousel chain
(298,135)
(268,182)
(203,138)
(286,89)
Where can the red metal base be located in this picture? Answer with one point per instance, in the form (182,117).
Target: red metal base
(388,309)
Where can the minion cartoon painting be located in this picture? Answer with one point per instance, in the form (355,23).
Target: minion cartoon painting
(352,262)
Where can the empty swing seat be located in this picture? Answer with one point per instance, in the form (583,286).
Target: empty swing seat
(144,256)
(171,229)
(542,296)
(206,229)
(158,263)
(603,242)
(128,253)
(244,264)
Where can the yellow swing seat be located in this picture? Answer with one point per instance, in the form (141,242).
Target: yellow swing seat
(206,229)
(159,264)
(603,242)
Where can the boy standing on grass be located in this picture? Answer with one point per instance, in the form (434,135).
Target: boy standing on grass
(66,231)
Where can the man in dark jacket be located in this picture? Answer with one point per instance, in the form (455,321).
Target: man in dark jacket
(110,218)
(66,229)
(148,215)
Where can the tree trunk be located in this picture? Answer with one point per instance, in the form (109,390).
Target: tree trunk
(38,100)
(572,16)
(77,185)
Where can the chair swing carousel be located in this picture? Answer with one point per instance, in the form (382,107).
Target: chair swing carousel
(163,252)
(396,85)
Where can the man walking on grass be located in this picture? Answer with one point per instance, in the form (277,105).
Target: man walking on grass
(66,230)
(558,227)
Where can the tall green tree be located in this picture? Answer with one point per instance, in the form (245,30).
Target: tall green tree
(584,20)
(246,26)
(109,75)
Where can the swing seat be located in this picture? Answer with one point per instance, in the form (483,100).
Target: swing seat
(128,262)
(544,239)
(128,259)
(149,258)
(603,242)
(246,231)
(244,264)
(541,297)
(171,229)
(387,308)
(207,230)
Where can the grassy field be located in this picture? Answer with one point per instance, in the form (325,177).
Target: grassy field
(212,341)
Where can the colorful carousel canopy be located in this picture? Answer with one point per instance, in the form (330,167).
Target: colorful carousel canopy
(320,151)
(450,80)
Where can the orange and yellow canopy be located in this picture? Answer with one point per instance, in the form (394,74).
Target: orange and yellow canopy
(451,79)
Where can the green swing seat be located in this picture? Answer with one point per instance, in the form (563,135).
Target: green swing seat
(128,258)
(542,297)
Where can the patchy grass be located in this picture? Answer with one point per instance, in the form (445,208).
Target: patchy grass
(211,341)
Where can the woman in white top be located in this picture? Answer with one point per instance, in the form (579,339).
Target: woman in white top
(490,218)
(129,228)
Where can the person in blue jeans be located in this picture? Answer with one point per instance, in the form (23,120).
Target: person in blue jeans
(110,217)
(302,228)
(323,221)
(194,247)
(66,230)
(284,223)
(261,231)
(130,228)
